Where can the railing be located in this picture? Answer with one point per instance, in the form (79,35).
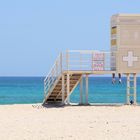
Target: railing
(53,75)
(77,60)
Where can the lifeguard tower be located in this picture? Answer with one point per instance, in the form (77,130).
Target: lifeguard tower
(124,58)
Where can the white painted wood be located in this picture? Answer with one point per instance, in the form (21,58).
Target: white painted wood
(56,70)
(135,86)
(88,72)
(81,91)
(85,51)
(68,88)
(130,59)
(63,89)
(86,88)
(52,88)
(61,62)
(44,89)
(80,62)
(67,59)
(128,89)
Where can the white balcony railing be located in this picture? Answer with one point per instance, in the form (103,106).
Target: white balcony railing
(85,60)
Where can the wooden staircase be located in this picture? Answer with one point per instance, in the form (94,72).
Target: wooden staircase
(55,92)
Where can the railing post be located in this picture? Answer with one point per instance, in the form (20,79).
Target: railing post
(68,88)
(61,63)
(67,60)
(45,89)
(86,89)
(63,88)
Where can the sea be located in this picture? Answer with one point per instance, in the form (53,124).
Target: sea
(29,90)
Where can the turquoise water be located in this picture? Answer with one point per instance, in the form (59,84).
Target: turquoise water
(19,90)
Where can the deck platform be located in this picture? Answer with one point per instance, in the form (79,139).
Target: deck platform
(88,72)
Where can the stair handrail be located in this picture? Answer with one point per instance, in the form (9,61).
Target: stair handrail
(51,77)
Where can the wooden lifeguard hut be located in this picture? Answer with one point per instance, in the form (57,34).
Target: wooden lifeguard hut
(124,58)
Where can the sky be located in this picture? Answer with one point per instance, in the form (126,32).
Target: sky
(34,32)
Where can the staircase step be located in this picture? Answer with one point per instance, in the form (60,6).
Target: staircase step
(130,87)
(60,85)
(50,99)
(130,94)
(56,92)
(59,97)
(55,95)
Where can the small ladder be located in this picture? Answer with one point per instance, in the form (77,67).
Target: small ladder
(131,88)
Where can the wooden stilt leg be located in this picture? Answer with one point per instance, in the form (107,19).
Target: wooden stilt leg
(68,88)
(81,91)
(63,89)
(128,89)
(87,89)
(135,85)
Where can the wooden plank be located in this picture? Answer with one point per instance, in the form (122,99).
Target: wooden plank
(81,91)
(45,93)
(63,89)
(113,42)
(61,62)
(89,72)
(86,89)
(128,89)
(135,86)
(68,88)
(114,30)
(71,90)
(67,60)
(71,83)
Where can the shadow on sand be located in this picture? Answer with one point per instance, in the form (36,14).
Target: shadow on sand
(54,105)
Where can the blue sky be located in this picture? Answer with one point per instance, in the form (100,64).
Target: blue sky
(33,32)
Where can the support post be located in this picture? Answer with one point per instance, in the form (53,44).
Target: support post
(68,88)
(61,63)
(128,89)
(44,89)
(135,86)
(81,91)
(86,89)
(63,89)
(67,60)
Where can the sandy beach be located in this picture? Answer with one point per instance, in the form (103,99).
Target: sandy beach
(26,122)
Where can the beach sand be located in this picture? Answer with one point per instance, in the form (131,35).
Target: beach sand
(34,122)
